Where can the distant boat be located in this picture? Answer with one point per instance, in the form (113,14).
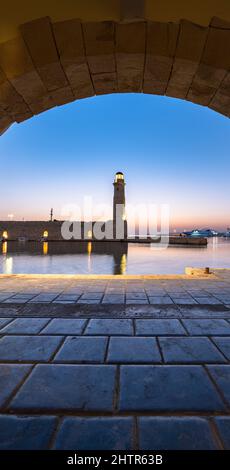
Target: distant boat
(226,234)
(202,233)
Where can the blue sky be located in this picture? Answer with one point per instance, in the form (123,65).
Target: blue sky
(171,151)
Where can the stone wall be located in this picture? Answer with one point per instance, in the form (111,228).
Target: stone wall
(34,231)
(50,63)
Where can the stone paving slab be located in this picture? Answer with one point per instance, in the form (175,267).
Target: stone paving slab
(221,375)
(176,433)
(223,344)
(11,376)
(92,296)
(157,327)
(207,327)
(67,387)
(82,349)
(26,433)
(4,322)
(133,350)
(166,300)
(25,326)
(61,326)
(109,327)
(208,300)
(223,426)
(28,348)
(190,350)
(44,297)
(103,433)
(113,299)
(167,388)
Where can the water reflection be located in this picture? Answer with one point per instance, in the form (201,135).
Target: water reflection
(45,248)
(4,248)
(108,257)
(89,251)
(71,257)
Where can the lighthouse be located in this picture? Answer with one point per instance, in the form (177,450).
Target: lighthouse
(119,218)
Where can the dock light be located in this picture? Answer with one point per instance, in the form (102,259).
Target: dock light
(89,234)
(5,235)
(45,234)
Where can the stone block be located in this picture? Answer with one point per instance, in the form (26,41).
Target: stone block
(189,49)
(26,432)
(136,296)
(221,100)
(215,62)
(130,56)
(62,96)
(223,344)
(100,44)
(67,387)
(11,376)
(25,326)
(64,326)
(111,326)
(173,433)
(207,300)
(159,327)
(18,67)
(113,299)
(215,51)
(223,426)
(5,122)
(69,40)
(47,297)
(92,296)
(205,84)
(221,375)
(105,83)
(11,101)
(4,321)
(39,39)
(165,300)
(132,9)
(161,47)
(133,350)
(82,349)
(23,117)
(96,433)
(42,104)
(28,348)
(207,327)
(190,350)
(167,388)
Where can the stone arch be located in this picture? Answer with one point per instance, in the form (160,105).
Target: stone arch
(51,63)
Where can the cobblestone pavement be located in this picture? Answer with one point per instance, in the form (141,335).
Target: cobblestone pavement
(150,372)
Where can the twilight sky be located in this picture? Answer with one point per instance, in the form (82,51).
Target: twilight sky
(171,152)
